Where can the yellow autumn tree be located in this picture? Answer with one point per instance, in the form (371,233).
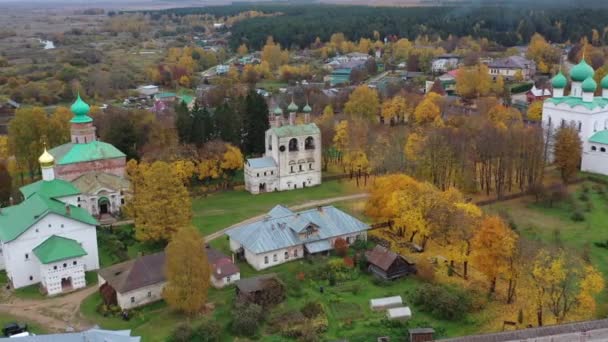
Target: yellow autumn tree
(363,102)
(183,170)
(272,54)
(242,50)
(427,111)
(187,272)
(160,203)
(535,111)
(232,161)
(342,138)
(473,82)
(567,152)
(493,246)
(395,109)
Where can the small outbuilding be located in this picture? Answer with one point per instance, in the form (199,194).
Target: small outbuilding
(387,264)
(263,290)
(402,313)
(379,304)
(223,270)
(421,334)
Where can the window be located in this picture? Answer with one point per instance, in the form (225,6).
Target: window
(31,278)
(65,265)
(275,258)
(293,145)
(122,201)
(286,255)
(580,126)
(264,173)
(310,166)
(55,267)
(37,230)
(300,167)
(595,126)
(258,174)
(602,149)
(74,263)
(291,168)
(593,148)
(266,259)
(309,143)
(549,121)
(78,199)
(149,294)
(228,279)
(132,299)
(27,256)
(271,172)
(295,253)
(62,223)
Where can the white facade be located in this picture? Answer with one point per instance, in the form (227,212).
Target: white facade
(221,282)
(24,269)
(141,296)
(292,159)
(444,64)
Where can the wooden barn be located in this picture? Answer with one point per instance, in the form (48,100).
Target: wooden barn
(387,264)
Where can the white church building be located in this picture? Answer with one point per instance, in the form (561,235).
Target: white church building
(584,111)
(48,238)
(293,155)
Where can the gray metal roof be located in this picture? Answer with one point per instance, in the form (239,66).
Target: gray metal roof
(261,163)
(318,246)
(512,62)
(279,229)
(92,335)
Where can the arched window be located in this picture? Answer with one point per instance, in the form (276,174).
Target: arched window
(293,144)
(549,121)
(602,149)
(593,148)
(606,124)
(580,126)
(309,143)
(595,126)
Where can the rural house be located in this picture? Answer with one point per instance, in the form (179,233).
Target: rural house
(388,265)
(223,270)
(262,290)
(283,235)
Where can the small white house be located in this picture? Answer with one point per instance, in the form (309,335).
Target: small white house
(283,235)
(148,90)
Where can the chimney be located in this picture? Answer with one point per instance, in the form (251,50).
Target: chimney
(68,210)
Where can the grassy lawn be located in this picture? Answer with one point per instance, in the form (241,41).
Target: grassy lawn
(220,210)
(554,226)
(33,328)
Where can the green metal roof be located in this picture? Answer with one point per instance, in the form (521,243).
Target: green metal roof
(51,189)
(278,111)
(71,153)
(581,71)
(307,109)
(80,109)
(296,130)
(600,137)
(598,102)
(163,95)
(604,82)
(187,99)
(292,107)
(559,81)
(589,85)
(57,248)
(15,220)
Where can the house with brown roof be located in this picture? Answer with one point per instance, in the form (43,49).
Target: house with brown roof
(223,270)
(387,264)
(134,282)
(141,281)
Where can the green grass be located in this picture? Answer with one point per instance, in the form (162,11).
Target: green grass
(29,292)
(554,227)
(221,210)
(33,328)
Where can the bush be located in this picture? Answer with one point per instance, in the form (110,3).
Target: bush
(312,309)
(359,245)
(207,331)
(577,216)
(246,318)
(442,302)
(583,196)
(332,279)
(181,333)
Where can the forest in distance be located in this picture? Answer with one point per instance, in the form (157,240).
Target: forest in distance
(298,26)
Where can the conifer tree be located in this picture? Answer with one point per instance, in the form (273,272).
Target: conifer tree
(256,123)
(186,271)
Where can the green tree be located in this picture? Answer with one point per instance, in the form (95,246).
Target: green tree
(187,272)
(255,123)
(6,183)
(27,134)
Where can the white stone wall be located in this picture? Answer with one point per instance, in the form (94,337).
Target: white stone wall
(254,177)
(51,275)
(22,266)
(142,296)
(265,260)
(595,161)
(90,202)
(301,168)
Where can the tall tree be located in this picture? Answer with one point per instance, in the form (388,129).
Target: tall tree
(255,123)
(363,102)
(160,204)
(6,183)
(567,152)
(183,122)
(187,271)
(28,132)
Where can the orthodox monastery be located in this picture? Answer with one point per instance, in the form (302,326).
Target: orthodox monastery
(293,155)
(582,110)
(95,168)
(48,238)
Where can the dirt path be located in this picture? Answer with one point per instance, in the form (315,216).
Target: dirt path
(305,205)
(54,314)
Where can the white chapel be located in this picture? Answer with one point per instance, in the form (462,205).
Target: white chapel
(584,111)
(293,154)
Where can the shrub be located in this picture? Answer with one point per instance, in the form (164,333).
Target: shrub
(577,216)
(341,247)
(442,302)
(332,279)
(246,318)
(207,331)
(312,309)
(425,270)
(584,197)
(359,245)
(181,333)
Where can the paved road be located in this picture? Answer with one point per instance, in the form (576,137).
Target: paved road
(305,205)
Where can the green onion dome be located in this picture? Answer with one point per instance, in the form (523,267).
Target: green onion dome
(604,82)
(307,109)
(292,107)
(589,85)
(559,81)
(80,109)
(581,72)
(278,111)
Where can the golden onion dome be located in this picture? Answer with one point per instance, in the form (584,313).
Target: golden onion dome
(46,159)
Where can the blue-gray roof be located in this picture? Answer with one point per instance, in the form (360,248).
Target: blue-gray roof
(318,246)
(280,227)
(92,335)
(261,163)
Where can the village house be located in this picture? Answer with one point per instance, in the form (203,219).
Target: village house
(538,94)
(388,265)
(47,238)
(445,63)
(293,155)
(510,67)
(96,168)
(283,235)
(254,289)
(141,281)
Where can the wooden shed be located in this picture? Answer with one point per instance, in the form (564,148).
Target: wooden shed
(387,264)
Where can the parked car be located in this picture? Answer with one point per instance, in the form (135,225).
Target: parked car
(13,328)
